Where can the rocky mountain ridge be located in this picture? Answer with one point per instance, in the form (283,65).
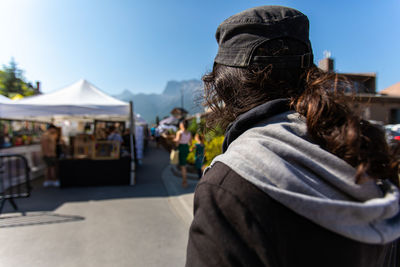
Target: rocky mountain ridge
(151,105)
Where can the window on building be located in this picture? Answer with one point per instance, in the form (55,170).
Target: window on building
(394,116)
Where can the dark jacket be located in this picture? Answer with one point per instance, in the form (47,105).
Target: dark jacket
(236,224)
(274,198)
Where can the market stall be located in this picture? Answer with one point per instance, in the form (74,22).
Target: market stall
(21,137)
(82,104)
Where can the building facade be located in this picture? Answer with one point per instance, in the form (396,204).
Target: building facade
(382,107)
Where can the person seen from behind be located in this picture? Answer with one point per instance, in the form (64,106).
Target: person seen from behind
(302,180)
(48,144)
(183,138)
(157,136)
(152,132)
(199,153)
(60,145)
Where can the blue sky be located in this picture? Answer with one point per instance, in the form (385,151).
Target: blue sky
(140,45)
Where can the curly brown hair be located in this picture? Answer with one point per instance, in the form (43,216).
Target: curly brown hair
(318,96)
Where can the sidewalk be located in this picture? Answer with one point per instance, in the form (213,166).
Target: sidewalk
(142,225)
(181,199)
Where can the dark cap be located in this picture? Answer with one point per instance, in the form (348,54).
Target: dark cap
(240,35)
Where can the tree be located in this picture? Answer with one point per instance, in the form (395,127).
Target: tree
(12,81)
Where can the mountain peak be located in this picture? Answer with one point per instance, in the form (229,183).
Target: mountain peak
(175,87)
(125,95)
(152,105)
(126,91)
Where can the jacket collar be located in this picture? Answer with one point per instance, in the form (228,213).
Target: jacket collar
(246,120)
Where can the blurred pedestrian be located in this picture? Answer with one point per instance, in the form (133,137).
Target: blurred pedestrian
(199,153)
(302,181)
(60,145)
(48,144)
(157,136)
(139,143)
(184,139)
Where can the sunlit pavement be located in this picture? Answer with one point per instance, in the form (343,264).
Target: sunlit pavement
(143,225)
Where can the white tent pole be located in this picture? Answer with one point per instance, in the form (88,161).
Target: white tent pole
(132,130)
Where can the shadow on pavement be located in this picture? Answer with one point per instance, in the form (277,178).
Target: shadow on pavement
(173,182)
(37,218)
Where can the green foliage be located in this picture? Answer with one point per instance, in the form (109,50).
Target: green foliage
(213,133)
(213,148)
(2,81)
(195,127)
(202,127)
(12,81)
(213,141)
(192,127)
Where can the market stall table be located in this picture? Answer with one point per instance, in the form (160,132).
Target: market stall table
(81,101)
(88,172)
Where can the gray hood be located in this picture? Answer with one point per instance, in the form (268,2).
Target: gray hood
(277,157)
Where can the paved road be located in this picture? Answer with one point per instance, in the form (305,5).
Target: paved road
(102,226)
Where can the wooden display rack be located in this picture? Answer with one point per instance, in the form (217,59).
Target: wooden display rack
(83,147)
(106,150)
(87,148)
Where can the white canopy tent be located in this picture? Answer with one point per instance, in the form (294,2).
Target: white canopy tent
(79,100)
